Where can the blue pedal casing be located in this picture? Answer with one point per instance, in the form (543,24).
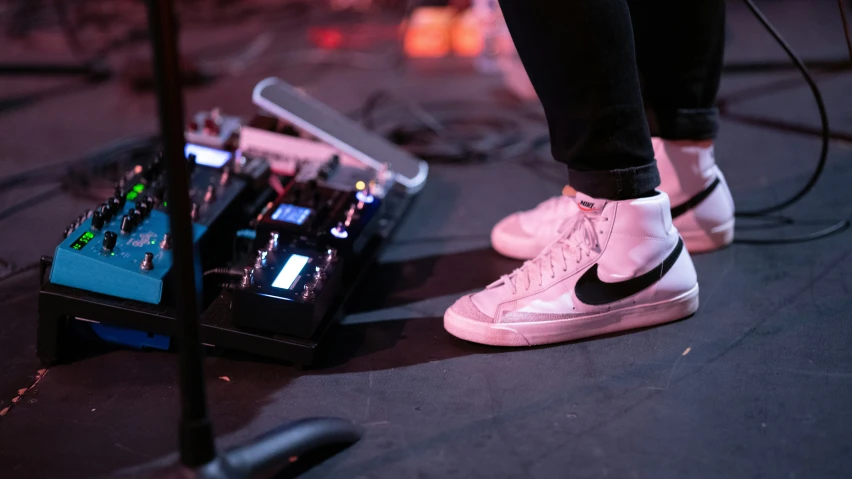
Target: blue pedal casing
(131,338)
(81,262)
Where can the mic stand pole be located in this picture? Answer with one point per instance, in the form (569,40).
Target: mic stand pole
(273,451)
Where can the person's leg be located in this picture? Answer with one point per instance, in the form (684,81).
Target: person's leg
(680,47)
(579,55)
(679,51)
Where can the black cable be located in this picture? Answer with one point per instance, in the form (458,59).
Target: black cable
(29,202)
(823,156)
(825,134)
(17,271)
(845,27)
(61,171)
(835,228)
(446,132)
(58,170)
(224,271)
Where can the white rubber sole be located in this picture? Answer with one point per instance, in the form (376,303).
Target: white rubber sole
(703,241)
(559,330)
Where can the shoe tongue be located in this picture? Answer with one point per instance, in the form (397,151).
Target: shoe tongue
(589,204)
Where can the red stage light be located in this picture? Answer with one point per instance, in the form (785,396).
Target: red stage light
(326,38)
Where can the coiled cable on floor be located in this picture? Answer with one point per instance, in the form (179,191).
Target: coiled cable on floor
(826,132)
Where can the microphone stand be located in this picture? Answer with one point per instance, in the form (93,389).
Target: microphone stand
(276,449)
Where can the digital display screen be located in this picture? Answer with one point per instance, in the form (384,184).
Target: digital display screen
(208,156)
(134,192)
(290,272)
(291,214)
(83,240)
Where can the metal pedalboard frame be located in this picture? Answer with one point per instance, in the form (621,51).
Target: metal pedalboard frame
(60,307)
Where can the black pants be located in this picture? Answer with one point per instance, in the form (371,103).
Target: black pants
(587,59)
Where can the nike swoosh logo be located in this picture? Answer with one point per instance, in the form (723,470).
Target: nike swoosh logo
(695,200)
(591,290)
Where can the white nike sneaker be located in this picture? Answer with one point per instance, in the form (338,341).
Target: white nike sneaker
(620,265)
(704,213)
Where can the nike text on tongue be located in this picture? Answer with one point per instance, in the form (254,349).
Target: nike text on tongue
(587,203)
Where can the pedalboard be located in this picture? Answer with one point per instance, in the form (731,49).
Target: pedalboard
(280,251)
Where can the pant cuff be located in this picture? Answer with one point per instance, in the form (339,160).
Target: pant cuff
(621,184)
(688,124)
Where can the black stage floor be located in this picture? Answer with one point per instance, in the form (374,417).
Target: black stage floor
(757,384)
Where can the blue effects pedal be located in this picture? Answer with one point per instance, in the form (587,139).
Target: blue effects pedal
(123,249)
(126,257)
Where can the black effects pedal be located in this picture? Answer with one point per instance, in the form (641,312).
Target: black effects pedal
(322,216)
(287,290)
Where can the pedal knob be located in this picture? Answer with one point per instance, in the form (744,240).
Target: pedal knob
(126,224)
(167,241)
(110,239)
(247,279)
(143,208)
(147,262)
(97,220)
(330,255)
(121,197)
(114,205)
(194,212)
(273,242)
(308,292)
(319,273)
(339,231)
(136,217)
(105,211)
(260,260)
(363,196)
(210,194)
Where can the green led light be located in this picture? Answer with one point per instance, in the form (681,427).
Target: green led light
(153,241)
(132,195)
(139,188)
(112,254)
(165,203)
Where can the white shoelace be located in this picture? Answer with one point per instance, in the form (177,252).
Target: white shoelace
(578,238)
